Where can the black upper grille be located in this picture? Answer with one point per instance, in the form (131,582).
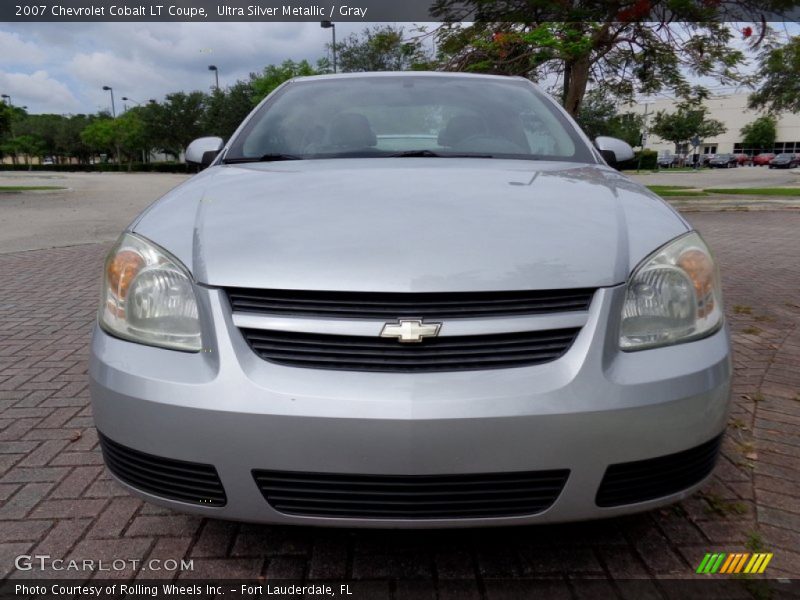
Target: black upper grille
(449,353)
(411,496)
(627,483)
(176,479)
(390,305)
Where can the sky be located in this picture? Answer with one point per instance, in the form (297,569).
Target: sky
(62,67)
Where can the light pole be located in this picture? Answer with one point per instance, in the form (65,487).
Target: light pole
(216,74)
(107,88)
(332,26)
(127,99)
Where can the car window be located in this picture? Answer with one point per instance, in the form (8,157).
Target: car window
(381,116)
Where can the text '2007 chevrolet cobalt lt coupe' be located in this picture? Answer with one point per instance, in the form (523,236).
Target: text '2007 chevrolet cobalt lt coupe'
(410,299)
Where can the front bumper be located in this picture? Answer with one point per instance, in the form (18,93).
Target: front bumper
(594,407)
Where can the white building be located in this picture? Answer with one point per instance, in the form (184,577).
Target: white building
(732,110)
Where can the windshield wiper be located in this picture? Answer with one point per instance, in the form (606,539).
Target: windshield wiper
(432,154)
(265,158)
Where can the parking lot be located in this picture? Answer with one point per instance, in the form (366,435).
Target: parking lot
(56,497)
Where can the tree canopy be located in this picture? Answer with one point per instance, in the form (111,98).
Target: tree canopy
(381,49)
(760,134)
(599,116)
(635,47)
(274,75)
(688,121)
(780,88)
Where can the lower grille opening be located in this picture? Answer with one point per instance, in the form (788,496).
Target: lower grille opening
(191,482)
(411,496)
(628,483)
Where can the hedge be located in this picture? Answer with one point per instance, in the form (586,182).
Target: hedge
(649,161)
(158,167)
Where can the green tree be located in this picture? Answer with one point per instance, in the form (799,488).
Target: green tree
(99,136)
(130,135)
(381,49)
(635,46)
(68,138)
(43,127)
(274,75)
(689,120)
(29,146)
(171,125)
(5,119)
(599,116)
(760,134)
(780,88)
(226,109)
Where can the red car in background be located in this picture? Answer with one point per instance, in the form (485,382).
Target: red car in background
(743,159)
(763,159)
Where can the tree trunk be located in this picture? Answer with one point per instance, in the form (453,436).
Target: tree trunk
(575,84)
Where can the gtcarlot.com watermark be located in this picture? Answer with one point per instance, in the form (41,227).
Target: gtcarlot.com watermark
(44,562)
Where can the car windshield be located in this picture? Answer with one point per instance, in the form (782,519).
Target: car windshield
(408,115)
(784,156)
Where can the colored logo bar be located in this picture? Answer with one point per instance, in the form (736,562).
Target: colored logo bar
(744,562)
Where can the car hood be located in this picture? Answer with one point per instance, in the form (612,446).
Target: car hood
(410,224)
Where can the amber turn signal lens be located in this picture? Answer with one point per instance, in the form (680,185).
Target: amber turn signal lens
(698,266)
(121,271)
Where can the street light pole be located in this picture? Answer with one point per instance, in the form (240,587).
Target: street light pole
(127,99)
(332,26)
(216,75)
(113,108)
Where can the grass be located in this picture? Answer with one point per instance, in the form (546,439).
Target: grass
(666,191)
(721,507)
(29,188)
(754,542)
(788,191)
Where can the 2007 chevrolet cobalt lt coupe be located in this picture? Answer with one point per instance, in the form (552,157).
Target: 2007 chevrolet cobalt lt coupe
(410,300)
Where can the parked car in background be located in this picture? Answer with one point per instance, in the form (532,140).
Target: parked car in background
(763,159)
(785,161)
(743,159)
(665,161)
(724,161)
(347,320)
(705,158)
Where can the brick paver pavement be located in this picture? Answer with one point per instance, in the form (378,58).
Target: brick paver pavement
(56,497)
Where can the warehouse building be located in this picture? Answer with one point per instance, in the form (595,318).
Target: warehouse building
(732,110)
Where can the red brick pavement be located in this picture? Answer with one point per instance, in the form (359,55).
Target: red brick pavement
(57,499)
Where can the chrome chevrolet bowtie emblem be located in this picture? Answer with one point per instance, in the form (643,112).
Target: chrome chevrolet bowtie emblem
(407,330)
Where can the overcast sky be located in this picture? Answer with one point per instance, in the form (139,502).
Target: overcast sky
(62,67)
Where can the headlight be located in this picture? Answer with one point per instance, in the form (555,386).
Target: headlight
(148,296)
(673,296)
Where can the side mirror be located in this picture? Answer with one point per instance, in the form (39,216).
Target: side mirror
(613,150)
(204,150)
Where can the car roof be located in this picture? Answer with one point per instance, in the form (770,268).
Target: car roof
(382,74)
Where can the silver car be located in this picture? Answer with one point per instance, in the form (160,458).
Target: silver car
(410,300)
